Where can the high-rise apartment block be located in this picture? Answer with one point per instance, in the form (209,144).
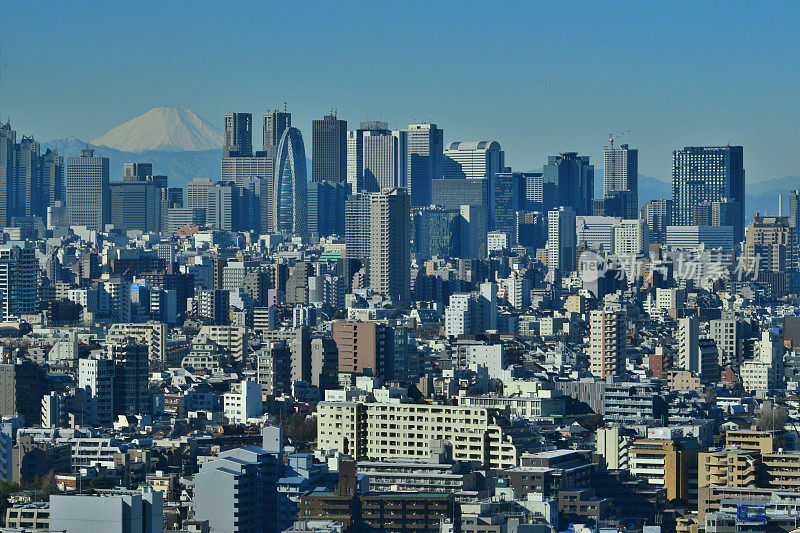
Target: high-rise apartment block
(390,244)
(18,279)
(561,242)
(771,245)
(607,344)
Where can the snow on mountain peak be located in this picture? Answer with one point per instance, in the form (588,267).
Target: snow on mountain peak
(167,129)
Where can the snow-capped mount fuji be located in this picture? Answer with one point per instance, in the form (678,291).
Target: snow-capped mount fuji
(163,129)
(177,142)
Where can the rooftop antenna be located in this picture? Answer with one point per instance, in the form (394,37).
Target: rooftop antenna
(284,106)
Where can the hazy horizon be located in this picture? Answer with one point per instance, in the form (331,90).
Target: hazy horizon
(539,78)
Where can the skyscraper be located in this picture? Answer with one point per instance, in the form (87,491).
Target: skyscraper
(452,194)
(561,243)
(773,242)
(436,232)
(242,167)
(137,171)
(238,135)
(273,124)
(390,247)
(326,207)
(9,157)
(289,199)
(18,279)
(223,206)
(197,193)
(329,149)
(475,160)
(508,196)
(383,160)
(29,182)
(355,154)
(136,205)
(88,193)
(424,155)
(658,215)
(357,226)
(794,209)
(473,225)
(621,179)
(568,180)
(52,177)
(707,173)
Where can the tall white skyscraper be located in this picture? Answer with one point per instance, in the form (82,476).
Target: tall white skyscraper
(606,343)
(561,245)
(88,193)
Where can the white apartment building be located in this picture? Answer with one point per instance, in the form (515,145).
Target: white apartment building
(381,431)
(242,402)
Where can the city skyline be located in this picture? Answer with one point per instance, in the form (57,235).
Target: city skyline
(565,91)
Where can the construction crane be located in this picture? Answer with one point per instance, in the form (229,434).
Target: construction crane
(612,137)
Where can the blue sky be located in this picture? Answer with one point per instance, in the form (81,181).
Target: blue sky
(539,77)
